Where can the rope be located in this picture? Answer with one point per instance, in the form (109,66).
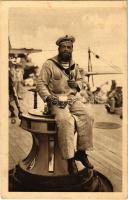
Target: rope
(115,67)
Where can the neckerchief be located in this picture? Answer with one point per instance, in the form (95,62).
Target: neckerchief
(67,71)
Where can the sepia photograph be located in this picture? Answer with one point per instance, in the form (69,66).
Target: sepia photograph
(65,99)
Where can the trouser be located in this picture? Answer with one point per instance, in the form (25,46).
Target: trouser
(19,88)
(74,116)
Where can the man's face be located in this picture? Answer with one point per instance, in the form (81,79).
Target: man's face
(65,51)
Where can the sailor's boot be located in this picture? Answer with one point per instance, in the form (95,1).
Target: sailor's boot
(82,157)
(72,168)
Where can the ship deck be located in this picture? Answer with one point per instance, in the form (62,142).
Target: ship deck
(106,155)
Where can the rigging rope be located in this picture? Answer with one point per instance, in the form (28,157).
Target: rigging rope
(115,67)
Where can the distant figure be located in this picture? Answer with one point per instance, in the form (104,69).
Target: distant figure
(98,97)
(18,81)
(36,74)
(114,100)
(86,94)
(31,75)
(11,96)
(58,84)
(113,87)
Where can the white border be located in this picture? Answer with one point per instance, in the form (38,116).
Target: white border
(4,105)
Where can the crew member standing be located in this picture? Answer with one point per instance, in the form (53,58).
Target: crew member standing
(60,81)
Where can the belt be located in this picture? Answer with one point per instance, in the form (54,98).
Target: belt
(63,104)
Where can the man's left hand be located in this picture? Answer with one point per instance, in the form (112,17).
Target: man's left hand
(72,84)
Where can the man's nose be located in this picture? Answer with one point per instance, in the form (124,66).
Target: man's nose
(66,49)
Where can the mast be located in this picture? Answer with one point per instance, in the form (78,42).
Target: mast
(90,65)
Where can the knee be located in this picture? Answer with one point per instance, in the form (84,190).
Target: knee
(62,118)
(89,114)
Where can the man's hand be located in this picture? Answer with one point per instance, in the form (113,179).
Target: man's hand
(52,100)
(72,84)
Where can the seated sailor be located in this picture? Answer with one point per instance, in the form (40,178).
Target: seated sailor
(114,100)
(58,84)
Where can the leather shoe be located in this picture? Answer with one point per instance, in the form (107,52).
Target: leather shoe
(82,157)
(72,168)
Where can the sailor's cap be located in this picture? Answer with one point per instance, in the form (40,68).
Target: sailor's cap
(66,38)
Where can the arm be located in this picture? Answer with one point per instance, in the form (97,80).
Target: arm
(43,81)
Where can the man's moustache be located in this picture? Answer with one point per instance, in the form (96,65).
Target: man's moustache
(65,56)
(66,53)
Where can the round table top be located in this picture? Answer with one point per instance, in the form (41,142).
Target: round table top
(37,114)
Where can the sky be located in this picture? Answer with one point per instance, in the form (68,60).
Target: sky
(103,29)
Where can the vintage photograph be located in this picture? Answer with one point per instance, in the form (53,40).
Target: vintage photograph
(66,80)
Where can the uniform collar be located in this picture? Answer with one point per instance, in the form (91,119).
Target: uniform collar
(55,58)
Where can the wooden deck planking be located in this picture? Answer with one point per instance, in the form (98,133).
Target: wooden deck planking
(106,162)
(109,145)
(107,153)
(106,156)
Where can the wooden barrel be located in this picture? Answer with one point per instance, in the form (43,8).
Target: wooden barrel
(44,157)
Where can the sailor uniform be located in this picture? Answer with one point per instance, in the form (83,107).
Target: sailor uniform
(53,80)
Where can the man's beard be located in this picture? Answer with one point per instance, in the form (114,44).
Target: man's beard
(65,57)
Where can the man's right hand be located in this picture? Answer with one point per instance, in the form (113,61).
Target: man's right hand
(52,100)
